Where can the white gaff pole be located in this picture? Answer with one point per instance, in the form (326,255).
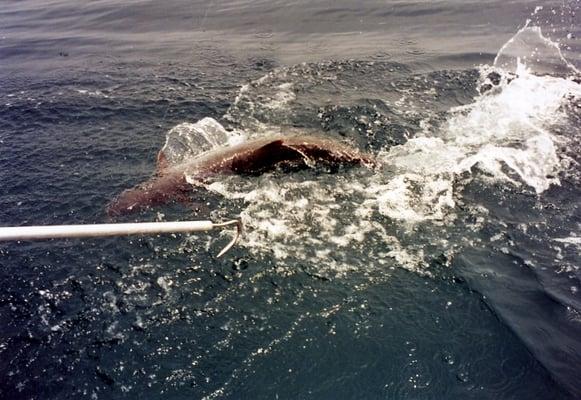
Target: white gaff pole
(124,229)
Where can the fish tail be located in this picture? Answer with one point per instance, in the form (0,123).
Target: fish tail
(155,192)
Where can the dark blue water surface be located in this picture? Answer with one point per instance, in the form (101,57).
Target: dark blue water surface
(452,272)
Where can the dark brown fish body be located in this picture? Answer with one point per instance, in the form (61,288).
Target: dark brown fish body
(251,157)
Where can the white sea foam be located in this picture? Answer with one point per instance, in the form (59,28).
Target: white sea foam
(512,128)
(314,220)
(574,240)
(364,217)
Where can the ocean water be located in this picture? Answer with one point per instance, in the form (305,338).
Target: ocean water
(451,271)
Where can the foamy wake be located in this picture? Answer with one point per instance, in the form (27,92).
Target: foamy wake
(338,222)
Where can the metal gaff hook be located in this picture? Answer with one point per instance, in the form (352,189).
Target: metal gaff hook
(239,230)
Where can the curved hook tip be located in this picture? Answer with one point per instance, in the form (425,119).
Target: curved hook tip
(234,240)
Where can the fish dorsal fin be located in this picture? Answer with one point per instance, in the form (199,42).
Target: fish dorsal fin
(258,158)
(270,146)
(187,141)
(255,157)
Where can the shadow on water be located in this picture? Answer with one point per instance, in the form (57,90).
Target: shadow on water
(529,276)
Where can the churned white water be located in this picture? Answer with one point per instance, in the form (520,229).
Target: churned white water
(329,220)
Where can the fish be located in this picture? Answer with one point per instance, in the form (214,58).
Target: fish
(252,157)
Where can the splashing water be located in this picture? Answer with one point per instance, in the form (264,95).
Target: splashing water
(530,47)
(513,128)
(359,217)
(188,140)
